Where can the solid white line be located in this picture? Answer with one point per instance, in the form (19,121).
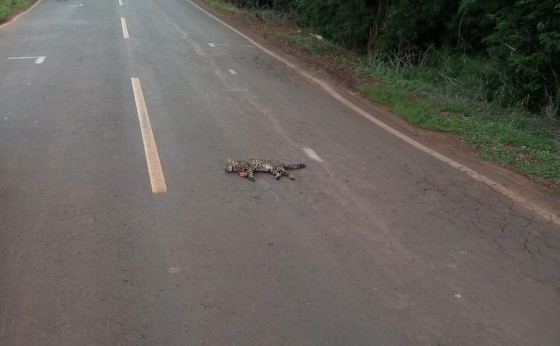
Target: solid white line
(124,28)
(535,208)
(157,179)
(232,72)
(312,154)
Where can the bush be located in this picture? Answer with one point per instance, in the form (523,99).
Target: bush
(265,4)
(526,46)
(344,22)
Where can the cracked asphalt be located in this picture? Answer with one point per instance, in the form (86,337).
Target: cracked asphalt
(378,244)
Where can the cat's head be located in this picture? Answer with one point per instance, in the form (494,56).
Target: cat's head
(230,166)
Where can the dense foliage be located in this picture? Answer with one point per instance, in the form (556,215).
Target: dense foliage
(519,40)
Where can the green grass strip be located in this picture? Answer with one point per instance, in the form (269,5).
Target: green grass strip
(7,6)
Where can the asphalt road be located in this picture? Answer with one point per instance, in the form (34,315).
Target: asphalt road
(377,244)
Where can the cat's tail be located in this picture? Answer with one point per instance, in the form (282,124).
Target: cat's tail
(293,165)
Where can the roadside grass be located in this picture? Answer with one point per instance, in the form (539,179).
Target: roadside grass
(445,92)
(224,6)
(274,16)
(6,7)
(319,47)
(507,136)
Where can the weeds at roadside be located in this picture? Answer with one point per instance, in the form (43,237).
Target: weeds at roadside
(6,7)
(224,6)
(318,47)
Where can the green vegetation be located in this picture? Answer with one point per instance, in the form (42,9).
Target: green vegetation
(6,7)
(224,6)
(319,47)
(485,70)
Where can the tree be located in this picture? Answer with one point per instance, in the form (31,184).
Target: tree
(526,41)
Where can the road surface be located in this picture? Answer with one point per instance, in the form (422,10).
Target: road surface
(118,225)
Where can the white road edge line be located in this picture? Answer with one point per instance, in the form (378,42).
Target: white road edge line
(124,28)
(157,179)
(535,208)
(232,72)
(312,154)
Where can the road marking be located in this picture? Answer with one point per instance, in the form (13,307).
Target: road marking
(214,44)
(38,59)
(247,46)
(312,154)
(232,72)
(533,207)
(120,2)
(157,179)
(275,195)
(80,5)
(124,28)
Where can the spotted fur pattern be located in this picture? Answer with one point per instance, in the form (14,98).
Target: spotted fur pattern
(246,168)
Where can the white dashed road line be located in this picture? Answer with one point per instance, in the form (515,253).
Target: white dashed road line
(124,28)
(38,59)
(232,72)
(157,179)
(312,154)
(120,2)
(214,44)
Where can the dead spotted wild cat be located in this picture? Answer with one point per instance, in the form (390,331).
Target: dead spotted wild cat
(246,168)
